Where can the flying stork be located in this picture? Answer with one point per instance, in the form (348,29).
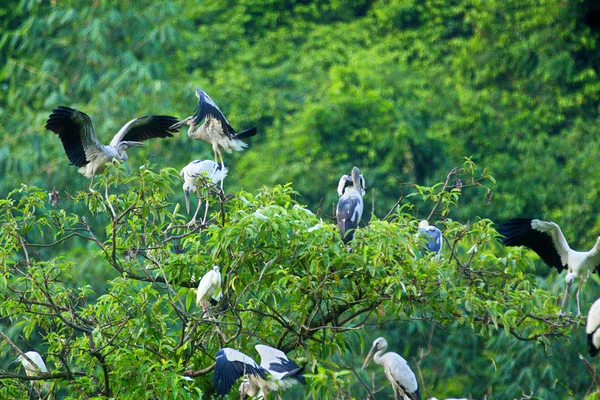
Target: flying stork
(592,328)
(433,236)
(200,170)
(209,124)
(78,136)
(548,241)
(396,370)
(275,372)
(350,205)
(208,287)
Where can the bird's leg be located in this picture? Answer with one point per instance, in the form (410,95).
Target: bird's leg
(205,212)
(565,299)
(222,168)
(193,221)
(91,184)
(578,290)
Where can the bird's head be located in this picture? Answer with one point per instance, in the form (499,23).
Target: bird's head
(423,224)
(379,344)
(187,188)
(215,268)
(122,146)
(356,178)
(188,121)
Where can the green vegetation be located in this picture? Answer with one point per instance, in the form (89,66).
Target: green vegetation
(102,286)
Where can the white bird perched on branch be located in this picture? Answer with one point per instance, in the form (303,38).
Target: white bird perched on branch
(209,124)
(275,372)
(199,171)
(76,131)
(208,287)
(433,235)
(396,370)
(350,206)
(34,370)
(548,241)
(592,328)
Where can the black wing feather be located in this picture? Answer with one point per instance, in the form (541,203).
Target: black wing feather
(345,211)
(518,232)
(154,126)
(205,109)
(69,131)
(291,369)
(227,372)
(245,133)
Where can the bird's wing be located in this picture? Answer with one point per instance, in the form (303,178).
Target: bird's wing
(543,237)
(230,365)
(403,375)
(348,213)
(144,128)
(208,108)
(275,360)
(208,285)
(344,182)
(77,134)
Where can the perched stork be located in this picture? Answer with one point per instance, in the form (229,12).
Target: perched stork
(209,124)
(208,287)
(346,182)
(275,372)
(76,131)
(548,241)
(433,236)
(350,206)
(31,370)
(396,370)
(200,170)
(592,328)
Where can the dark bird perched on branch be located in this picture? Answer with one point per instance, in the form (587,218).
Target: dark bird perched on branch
(209,124)
(548,241)
(76,131)
(275,372)
(350,205)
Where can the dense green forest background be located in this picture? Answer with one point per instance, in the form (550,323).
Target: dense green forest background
(405,90)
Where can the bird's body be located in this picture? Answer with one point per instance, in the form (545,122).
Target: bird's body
(35,370)
(276,372)
(76,131)
(208,287)
(396,369)
(592,328)
(433,235)
(196,171)
(350,206)
(209,124)
(548,241)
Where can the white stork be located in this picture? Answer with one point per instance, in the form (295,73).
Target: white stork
(209,124)
(350,206)
(396,370)
(548,241)
(196,171)
(37,370)
(592,328)
(76,131)
(433,236)
(208,287)
(275,372)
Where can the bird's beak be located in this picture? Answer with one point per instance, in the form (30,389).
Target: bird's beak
(177,124)
(133,144)
(369,356)
(187,200)
(12,362)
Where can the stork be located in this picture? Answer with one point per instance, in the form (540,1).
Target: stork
(350,206)
(200,170)
(396,370)
(346,182)
(548,241)
(209,124)
(76,131)
(34,370)
(275,372)
(592,328)
(208,287)
(433,236)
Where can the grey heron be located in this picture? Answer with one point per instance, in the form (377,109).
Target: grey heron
(194,172)
(84,150)
(209,124)
(275,372)
(346,182)
(350,206)
(208,287)
(31,370)
(592,328)
(396,370)
(433,236)
(548,241)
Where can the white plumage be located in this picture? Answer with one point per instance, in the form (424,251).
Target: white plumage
(350,206)
(592,328)
(396,369)
(76,131)
(346,182)
(31,370)
(276,372)
(548,241)
(196,172)
(208,286)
